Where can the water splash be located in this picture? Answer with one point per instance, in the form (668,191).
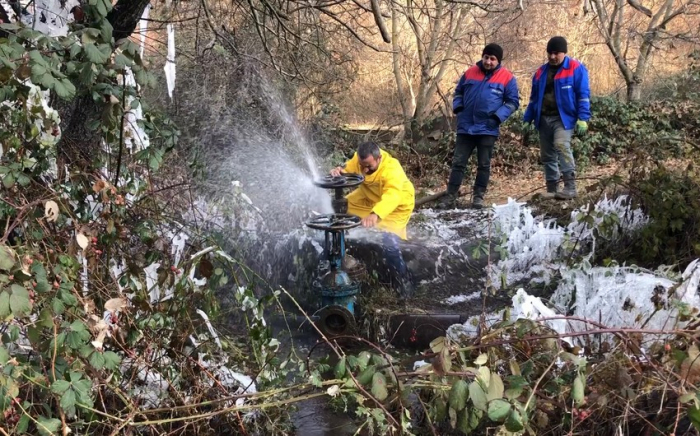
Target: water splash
(263,147)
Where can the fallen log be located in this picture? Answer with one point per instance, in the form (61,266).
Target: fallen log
(430,198)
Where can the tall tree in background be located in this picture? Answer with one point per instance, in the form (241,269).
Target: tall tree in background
(633,32)
(435,29)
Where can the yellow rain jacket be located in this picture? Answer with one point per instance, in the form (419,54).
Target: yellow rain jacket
(387,192)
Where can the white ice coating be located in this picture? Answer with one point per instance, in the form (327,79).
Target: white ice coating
(135,137)
(143,28)
(170,61)
(615,296)
(51,17)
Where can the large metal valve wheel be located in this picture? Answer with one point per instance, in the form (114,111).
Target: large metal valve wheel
(346,180)
(334,222)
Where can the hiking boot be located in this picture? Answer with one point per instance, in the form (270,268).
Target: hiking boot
(551,190)
(448,201)
(478,198)
(569,190)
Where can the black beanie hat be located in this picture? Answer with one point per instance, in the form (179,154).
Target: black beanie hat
(557,44)
(493,50)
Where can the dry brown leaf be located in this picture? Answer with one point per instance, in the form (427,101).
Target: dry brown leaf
(51,211)
(82,240)
(690,368)
(99,341)
(115,304)
(99,186)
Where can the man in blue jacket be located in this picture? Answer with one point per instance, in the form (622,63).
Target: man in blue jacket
(485,96)
(559,105)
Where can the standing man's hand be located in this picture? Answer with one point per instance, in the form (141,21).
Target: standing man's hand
(335,172)
(370,220)
(581,127)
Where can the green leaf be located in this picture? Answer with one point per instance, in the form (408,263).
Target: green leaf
(366,376)
(112,360)
(483,358)
(477,395)
(57,306)
(94,54)
(437,344)
(64,88)
(4,355)
(339,370)
(68,402)
(495,387)
(514,422)
(97,360)
(9,180)
(23,423)
(19,300)
(23,179)
(694,416)
(38,70)
(7,258)
(42,281)
(36,57)
(458,395)
(440,409)
(75,50)
(379,390)
(60,386)
(46,80)
(463,422)
(4,305)
(106,30)
(498,410)
(47,426)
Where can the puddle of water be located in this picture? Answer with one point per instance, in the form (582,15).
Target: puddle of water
(314,418)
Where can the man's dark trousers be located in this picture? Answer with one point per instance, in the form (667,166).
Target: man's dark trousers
(463,149)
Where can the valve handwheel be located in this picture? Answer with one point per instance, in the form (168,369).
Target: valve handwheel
(334,222)
(346,180)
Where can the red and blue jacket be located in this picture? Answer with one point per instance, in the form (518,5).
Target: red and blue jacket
(480,98)
(571,91)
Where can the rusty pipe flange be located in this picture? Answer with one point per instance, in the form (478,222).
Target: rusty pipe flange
(345,180)
(335,321)
(334,222)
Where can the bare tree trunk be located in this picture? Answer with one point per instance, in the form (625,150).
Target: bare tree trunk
(634,91)
(612,20)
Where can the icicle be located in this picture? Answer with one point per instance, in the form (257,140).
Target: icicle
(84,273)
(152,282)
(210,327)
(144,28)
(170,61)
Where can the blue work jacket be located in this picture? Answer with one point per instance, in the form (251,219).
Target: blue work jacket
(571,91)
(479,97)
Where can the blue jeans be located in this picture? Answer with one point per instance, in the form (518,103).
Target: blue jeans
(392,255)
(463,150)
(555,148)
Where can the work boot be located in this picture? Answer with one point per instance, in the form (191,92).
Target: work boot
(569,190)
(478,198)
(551,190)
(448,201)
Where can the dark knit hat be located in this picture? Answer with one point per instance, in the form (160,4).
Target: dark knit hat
(493,50)
(557,44)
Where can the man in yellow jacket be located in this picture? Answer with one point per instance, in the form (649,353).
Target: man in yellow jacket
(384,200)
